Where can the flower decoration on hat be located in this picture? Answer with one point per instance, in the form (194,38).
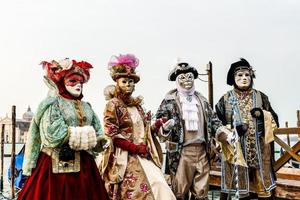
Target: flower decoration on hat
(123,66)
(57,70)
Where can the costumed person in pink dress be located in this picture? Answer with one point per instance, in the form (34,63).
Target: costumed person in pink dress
(63,139)
(131,164)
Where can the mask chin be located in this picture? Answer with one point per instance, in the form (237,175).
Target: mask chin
(243,88)
(75,91)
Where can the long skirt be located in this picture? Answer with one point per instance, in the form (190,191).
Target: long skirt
(84,185)
(143,180)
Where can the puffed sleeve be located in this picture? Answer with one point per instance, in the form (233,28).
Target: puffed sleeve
(53,128)
(111,124)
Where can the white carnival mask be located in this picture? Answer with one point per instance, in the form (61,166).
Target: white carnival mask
(242,79)
(73,84)
(75,91)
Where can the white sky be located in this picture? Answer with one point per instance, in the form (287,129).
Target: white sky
(266,33)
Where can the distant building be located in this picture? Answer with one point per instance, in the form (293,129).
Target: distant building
(22,126)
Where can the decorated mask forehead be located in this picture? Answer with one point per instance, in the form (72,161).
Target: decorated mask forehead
(73,79)
(242,71)
(186,76)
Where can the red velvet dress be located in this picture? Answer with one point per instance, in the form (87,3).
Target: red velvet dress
(45,185)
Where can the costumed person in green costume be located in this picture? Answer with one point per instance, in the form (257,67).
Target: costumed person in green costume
(64,137)
(248,112)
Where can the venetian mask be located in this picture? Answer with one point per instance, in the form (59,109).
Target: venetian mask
(73,84)
(186,80)
(126,85)
(242,79)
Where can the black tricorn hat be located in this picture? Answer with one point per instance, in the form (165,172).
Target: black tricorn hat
(181,68)
(241,64)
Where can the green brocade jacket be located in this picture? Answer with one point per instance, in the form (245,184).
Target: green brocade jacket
(49,127)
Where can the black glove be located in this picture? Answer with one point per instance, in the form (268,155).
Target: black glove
(257,113)
(242,129)
(66,153)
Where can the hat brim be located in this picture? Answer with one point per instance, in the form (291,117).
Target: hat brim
(175,72)
(135,77)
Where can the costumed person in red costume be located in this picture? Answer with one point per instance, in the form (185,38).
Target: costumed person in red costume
(64,137)
(131,164)
(248,112)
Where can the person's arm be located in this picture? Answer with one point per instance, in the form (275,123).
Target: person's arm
(140,149)
(267,106)
(220,110)
(111,123)
(53,128)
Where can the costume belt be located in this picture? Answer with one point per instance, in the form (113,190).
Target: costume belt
(59,166)
(172,146)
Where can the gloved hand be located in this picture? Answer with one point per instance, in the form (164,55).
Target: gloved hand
(168,125)
(142,150)
(159,122)
(257,113)
(242,129)
(224,135)
(66,153)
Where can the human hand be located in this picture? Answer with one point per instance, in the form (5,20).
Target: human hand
(257,113)
(142,150)
(242,129)
(168,125)
(159,122)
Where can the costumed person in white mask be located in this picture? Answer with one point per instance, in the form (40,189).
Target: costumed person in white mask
(188,141)
(64,137)
(131,164)
(249,112)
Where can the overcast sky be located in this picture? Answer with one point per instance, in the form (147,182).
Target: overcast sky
(266,33)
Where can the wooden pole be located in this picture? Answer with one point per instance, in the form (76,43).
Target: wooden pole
(298,122)
(2,157)
(210,84)
(13,148)
(298,118)
(288,135)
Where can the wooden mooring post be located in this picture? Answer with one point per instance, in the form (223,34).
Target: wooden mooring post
(13,149)
(2,157)
(210,84)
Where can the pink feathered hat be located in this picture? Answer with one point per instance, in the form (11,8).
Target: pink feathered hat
(123,66)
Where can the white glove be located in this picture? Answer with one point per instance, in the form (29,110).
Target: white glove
(224,132)
(168,125)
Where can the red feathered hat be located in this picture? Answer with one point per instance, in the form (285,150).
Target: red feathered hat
(57,70)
